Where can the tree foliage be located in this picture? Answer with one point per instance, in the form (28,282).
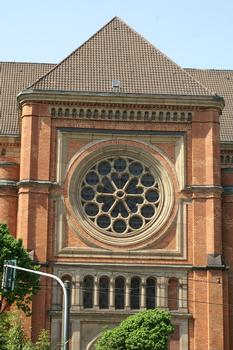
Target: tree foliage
(27,284)
(12,335)
(146,330)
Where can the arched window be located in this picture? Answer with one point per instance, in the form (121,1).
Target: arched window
(119,293)
(135,293)
(173,293)
(103,292)
(60,294)
(151,293)
(88,286)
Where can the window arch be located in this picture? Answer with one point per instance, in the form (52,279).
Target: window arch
(151,288)
(119,293)
(173,293)
(104,292)
(135,293)
(60,293)
(88,287)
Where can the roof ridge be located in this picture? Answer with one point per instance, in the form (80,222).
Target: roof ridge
(23,62)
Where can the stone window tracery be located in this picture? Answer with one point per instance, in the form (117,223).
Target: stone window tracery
(121,195)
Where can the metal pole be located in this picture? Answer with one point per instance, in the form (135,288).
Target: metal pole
(65,305)
(67,285)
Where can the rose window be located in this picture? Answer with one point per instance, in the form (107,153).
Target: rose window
(120,195)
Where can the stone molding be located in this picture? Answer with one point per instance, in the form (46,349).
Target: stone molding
(63,213)
(128,114)
(8,183)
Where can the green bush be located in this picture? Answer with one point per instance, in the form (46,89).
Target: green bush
(12,335)
(146,330)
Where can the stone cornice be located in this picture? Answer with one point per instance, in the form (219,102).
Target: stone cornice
(204,188)
(8,183)
(213,101)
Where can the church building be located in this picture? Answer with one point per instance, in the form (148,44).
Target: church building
(116,170)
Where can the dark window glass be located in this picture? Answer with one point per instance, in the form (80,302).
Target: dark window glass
(92,178)
(119,226)
(147,211)
(103,292)
(88,286)
(152,196)
(91,209)
(103,221)
(120,164)
(148,180)
(135,293)
(135,168)
(87,193)
(135,222)
(119,293)
(104,167)
(150,293)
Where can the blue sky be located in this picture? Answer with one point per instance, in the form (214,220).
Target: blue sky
(193,33)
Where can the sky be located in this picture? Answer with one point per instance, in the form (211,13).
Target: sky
(193,33)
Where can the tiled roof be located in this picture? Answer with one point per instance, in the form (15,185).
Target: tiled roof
(220,81)
(117,52)
(13,78)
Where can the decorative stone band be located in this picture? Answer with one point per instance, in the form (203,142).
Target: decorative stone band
(8,183)
(122,114)
(204,188)
(28,182)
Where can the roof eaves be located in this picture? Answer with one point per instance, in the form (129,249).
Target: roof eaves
(214,101)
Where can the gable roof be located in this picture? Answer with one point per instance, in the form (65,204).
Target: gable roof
(112,58)
(13,78)
(220,81)
(117,52)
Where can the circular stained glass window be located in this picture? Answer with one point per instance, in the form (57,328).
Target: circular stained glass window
(121,195)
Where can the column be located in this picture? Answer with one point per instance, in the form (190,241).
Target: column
(96,293)
(162,292)
(127,293)
(77,302)
(183,295)
(112,294)
(55,333)
(143,294)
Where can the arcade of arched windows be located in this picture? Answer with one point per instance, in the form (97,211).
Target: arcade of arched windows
(123,292)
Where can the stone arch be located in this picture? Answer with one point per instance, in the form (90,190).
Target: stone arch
(90,345)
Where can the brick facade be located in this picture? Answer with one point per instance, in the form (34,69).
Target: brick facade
(186,249)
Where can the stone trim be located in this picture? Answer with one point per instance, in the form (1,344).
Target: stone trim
(112,113)
(28,182)
(8,183)
(204,188)
(161,278)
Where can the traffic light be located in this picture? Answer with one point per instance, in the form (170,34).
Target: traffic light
(8,279)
